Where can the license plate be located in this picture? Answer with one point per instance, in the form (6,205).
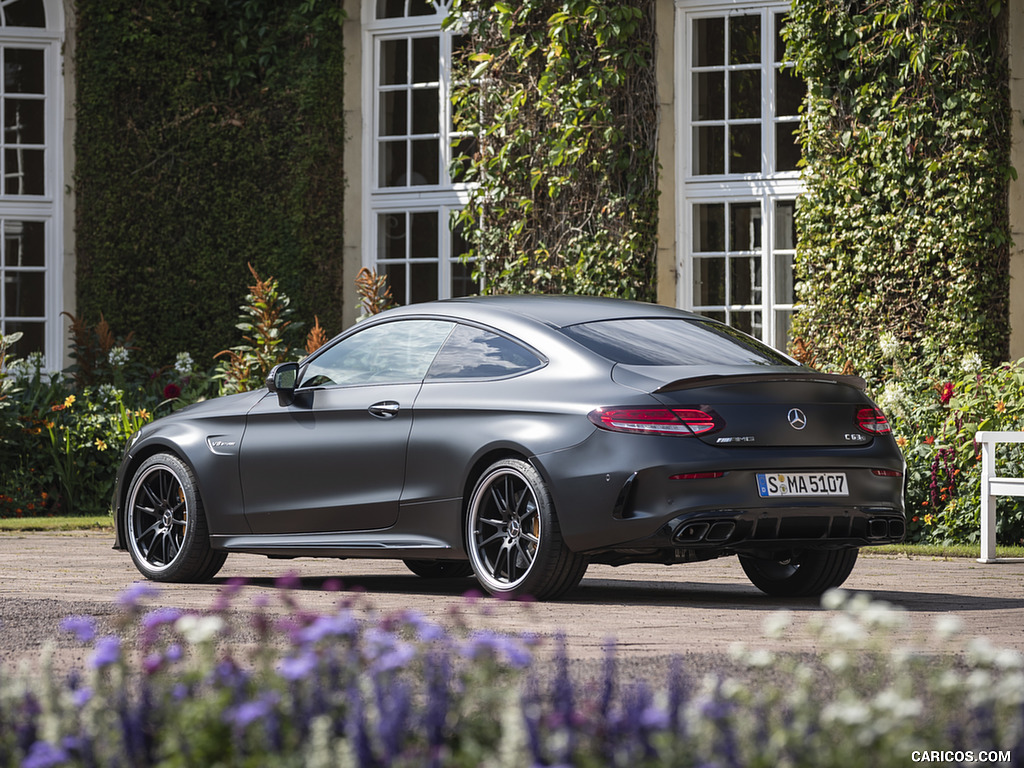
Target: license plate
(802,484)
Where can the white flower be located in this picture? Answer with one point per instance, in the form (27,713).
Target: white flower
(838,661)
(108,393)
(849,711)
(972,363)
(846,629)
(118,356)
(199,629)
(889,344)
(948,626)
(183,364)
(893,398)
(834,599)
(883,615)
(897,706)
(776,624)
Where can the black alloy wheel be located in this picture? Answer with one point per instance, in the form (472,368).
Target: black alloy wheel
(165,524)
(513,537)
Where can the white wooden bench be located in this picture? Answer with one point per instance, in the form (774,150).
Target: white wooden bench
(992,486)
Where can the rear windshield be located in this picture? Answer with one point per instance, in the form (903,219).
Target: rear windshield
(671,341)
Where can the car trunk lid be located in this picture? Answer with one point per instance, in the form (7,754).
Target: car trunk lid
(779,406)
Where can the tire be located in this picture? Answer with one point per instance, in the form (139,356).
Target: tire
(512,535)
(440,569)
(806,574)
(165,524)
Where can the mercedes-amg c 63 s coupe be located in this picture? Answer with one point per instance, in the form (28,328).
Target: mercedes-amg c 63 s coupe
(518,439)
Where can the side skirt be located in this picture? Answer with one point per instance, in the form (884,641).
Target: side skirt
(369,545)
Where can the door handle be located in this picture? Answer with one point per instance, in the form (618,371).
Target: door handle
(386,409)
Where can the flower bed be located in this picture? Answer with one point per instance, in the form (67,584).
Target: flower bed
(170,688)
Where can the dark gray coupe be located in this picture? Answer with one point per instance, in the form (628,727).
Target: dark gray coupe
(519,439)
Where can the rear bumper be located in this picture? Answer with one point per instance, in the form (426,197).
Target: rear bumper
(610,508)
(758,530)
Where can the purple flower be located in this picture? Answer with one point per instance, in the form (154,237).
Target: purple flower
(154,620)
(396,657)
(503,647)
(339,625)
(159,617)
(107,651)
(247,713)
(130,597)
(43,754)
(81,696)
(288,581)
(297,667)
(82,627)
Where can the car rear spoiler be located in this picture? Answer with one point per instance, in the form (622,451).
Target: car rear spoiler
(752,378)
(657,379)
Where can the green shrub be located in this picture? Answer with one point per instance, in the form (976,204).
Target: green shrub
(561,98)
(906,149)
(207,131)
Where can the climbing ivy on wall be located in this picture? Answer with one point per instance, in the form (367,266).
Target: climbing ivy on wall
(905,134)
(561,97)
(209,136)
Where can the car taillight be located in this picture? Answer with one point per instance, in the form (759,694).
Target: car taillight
(683,422)
(873,421)
(886,473)
(697,476)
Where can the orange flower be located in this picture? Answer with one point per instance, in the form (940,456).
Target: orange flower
(930,440)
(1000,406)
(901,442)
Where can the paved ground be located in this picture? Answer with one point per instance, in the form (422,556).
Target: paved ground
(652,611)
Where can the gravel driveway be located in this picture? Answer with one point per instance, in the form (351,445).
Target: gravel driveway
(652,611)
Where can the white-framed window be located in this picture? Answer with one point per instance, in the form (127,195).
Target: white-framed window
(410,194)
(31,269)
(737,116)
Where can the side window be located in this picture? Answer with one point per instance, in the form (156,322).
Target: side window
(473,353)
(391,353)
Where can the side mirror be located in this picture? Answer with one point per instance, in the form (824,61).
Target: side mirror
(282,380)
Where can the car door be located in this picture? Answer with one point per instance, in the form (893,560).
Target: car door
(334,460)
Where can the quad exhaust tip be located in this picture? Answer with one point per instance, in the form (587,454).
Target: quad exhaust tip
(713,532)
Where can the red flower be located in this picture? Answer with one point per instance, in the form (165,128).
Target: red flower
(930,440)
(947,392)
(172,392)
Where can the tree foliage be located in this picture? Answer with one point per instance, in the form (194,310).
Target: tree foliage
(561,97)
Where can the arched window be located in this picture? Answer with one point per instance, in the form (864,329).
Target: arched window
(31,112)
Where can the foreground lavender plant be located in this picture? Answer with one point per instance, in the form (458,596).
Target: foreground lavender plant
(401,690)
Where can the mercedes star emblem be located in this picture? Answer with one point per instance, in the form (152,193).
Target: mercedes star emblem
(797,419)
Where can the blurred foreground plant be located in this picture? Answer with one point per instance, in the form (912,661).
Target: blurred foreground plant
(351,688)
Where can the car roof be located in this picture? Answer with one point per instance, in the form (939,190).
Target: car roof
(556,311)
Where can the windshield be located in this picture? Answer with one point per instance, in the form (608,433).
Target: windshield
(671,341)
